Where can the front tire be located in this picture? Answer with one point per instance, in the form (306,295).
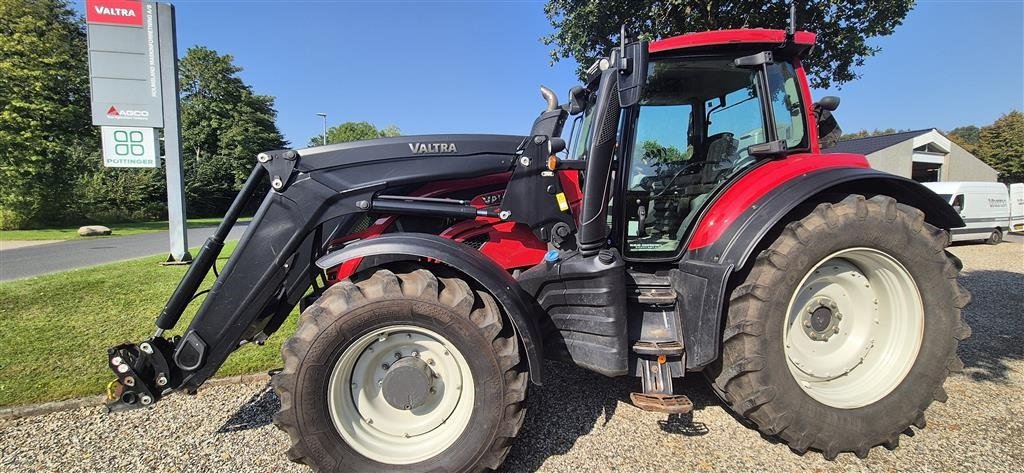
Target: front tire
(995,238)
(845,328)
(401,371)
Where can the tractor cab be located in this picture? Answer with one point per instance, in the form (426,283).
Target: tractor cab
(704,115)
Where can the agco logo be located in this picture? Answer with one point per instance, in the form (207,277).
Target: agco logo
(424,148)
(116,114)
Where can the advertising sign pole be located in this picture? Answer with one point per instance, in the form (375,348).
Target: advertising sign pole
(172,132)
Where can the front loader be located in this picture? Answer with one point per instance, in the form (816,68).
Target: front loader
(690,223)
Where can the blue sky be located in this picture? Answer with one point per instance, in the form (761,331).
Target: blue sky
(474,67)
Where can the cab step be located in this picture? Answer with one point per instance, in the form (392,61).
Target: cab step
(668,403)
(656,348)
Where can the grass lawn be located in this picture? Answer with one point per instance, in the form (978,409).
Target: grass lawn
(117,229)
(55,329)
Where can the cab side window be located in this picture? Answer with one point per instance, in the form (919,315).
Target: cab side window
(786,105)
(958,203)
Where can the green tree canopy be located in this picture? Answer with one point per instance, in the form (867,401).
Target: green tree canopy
(967,137)
(224,125)
(354,131)
(1001,145)
(45,129)
(588,29)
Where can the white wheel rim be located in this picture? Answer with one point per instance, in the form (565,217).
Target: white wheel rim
(868,341)
(381,432)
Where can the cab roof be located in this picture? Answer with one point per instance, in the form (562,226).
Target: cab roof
(743,38)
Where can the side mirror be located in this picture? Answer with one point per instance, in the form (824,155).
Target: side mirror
(830,103)
(577,100)
(633,74)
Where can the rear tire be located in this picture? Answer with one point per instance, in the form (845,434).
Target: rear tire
(900,355)
(447,336)
(995,238)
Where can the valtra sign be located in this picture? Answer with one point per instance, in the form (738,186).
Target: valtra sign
(124,63)
(114,12)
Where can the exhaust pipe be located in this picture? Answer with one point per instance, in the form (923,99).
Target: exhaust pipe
(550,97)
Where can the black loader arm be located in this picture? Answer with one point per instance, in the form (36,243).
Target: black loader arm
(315,196)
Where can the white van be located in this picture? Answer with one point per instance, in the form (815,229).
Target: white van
(1017,207)
(984,206)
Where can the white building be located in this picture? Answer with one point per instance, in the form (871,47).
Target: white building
(922,155)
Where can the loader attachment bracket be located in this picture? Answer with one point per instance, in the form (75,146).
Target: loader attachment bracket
(279,165)
(143,373)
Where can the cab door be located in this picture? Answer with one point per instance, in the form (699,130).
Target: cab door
(689,136)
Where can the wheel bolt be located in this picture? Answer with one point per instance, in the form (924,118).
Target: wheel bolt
(416,354)
(398,355)
(385,366)
(807,323)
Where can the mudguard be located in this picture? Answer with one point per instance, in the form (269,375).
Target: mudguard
(704,273)
(518,305)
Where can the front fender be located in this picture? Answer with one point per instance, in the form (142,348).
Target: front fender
(517,305)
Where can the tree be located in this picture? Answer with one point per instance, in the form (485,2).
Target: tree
(866,133)
(1001,145)
(354,131)
(587,29)
(224,125)
(967,137)
(45,129)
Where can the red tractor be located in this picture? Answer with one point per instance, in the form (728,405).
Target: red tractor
(691,224)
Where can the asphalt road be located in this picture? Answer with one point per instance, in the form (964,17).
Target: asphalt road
(17,263)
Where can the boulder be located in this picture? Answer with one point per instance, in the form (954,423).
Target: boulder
(93,230)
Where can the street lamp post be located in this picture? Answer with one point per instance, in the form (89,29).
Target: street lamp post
(324,116)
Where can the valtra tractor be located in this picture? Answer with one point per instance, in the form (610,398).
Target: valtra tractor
(688,223)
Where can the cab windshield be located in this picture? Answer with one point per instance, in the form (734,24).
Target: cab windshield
(693,128)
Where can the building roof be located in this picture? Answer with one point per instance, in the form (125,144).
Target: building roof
(872,144)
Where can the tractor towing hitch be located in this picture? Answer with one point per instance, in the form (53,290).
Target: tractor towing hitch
(143,374)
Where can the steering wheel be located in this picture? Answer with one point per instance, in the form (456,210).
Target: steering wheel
(668,185)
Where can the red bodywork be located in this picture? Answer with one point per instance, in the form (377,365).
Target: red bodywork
(514,246)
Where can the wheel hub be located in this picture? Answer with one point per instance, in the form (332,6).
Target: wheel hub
(821,319)
(854,327)
(401,394)
(408,384)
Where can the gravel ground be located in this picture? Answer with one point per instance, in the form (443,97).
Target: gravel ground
(583,422)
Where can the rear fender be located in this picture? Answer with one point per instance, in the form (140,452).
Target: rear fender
(517,305)
(704,274)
